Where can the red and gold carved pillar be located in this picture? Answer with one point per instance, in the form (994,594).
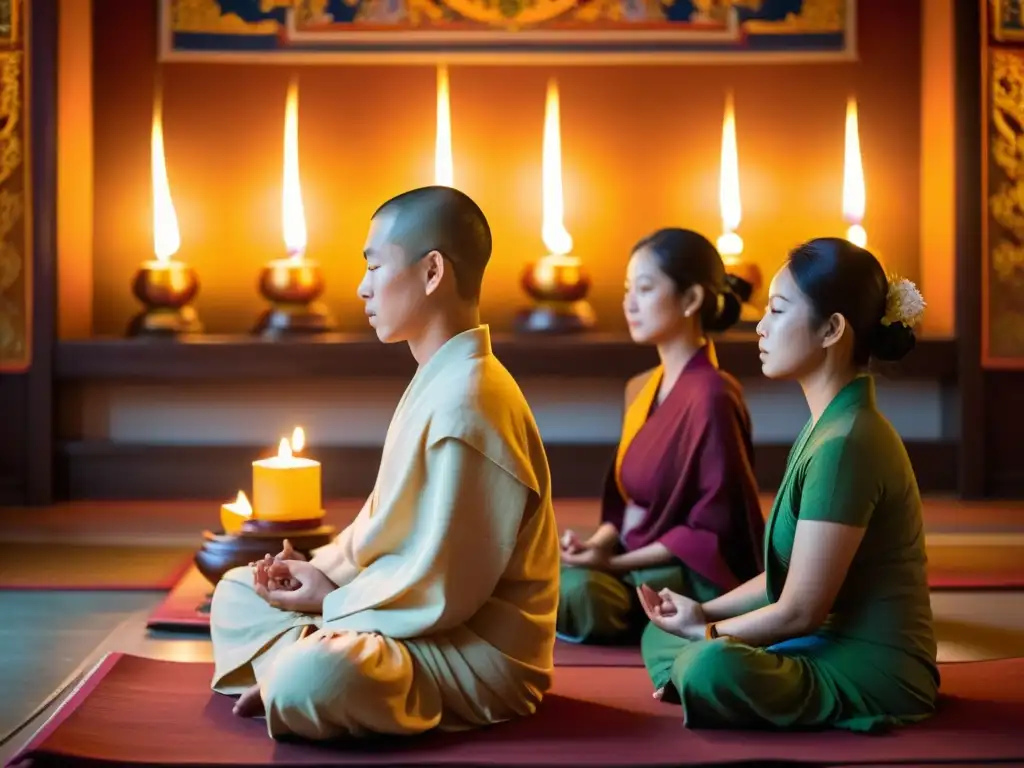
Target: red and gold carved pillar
(15,192)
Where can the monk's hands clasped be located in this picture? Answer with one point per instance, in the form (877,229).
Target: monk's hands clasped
(292,585)
(273,579)
(673,613)
(289,553)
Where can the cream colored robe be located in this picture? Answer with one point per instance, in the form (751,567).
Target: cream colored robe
(447,579)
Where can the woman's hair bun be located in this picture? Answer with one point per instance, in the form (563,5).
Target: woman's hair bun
(730,304)
(739,286)
(892,342)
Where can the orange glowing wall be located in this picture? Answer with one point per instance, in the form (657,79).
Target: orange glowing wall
(640,150)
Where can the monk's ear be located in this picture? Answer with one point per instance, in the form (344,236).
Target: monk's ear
(691,300)
(832,330)
(433,271)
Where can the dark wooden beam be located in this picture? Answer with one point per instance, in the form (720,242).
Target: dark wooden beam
(970,203)
(42,73)
(342,356)
(101,470)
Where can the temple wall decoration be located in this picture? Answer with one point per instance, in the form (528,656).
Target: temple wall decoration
(507,30)
(15,243)
(1003,262)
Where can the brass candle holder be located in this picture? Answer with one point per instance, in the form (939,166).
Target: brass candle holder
(558,284)
(292,287)
(166,290)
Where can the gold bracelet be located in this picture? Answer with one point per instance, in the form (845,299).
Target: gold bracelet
(710,632)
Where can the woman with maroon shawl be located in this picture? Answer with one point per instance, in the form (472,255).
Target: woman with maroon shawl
(680,507)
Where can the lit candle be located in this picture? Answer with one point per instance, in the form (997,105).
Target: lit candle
(294,269)
(292,210)
(854,192)
(286,487)
(557,281)
(166,236)
(556,237)
(444,172)
(164,285)
(293,284)
(730,206)
(234,514)
(730,244)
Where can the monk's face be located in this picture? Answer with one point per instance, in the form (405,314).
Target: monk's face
(790,340)
(653,307)
(393,288)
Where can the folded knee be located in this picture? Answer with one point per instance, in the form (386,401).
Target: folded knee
(325,666)
(240,575)
(709,668)
(306,673)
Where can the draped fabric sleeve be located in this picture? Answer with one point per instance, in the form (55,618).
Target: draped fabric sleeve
(718,458)
(336,560)
(465,523)
(843,483)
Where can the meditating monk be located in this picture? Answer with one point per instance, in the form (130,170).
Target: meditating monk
(680,507)
(838,630)
(436,607)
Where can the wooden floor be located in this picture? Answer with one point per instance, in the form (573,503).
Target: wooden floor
(48,638)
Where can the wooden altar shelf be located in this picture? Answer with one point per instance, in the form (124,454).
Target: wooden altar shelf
(362,356)
(108,470)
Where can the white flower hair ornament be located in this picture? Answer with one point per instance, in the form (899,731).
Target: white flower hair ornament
(903,303)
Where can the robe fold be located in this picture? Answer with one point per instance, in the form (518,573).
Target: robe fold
(688,463)
(447,579)
(683,476)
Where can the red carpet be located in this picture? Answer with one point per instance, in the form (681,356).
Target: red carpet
(31,566)
(186,606)
(135,711)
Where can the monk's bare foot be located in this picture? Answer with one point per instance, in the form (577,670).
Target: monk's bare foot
(659,694)
(249,704)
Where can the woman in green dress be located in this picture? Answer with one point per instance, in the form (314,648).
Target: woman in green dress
(837,632)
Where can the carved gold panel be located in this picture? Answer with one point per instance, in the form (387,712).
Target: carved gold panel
(15,219)
(1003,269)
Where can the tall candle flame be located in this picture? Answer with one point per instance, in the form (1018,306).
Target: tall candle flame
(166,237)
(444,171)
(298,439)
(854,191)
(556,238)
(293,212)
(729,201)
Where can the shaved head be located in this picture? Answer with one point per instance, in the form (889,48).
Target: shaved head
(445,220)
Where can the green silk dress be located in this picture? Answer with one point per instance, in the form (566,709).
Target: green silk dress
(872,664)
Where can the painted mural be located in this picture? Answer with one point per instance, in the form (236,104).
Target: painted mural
(503,31)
